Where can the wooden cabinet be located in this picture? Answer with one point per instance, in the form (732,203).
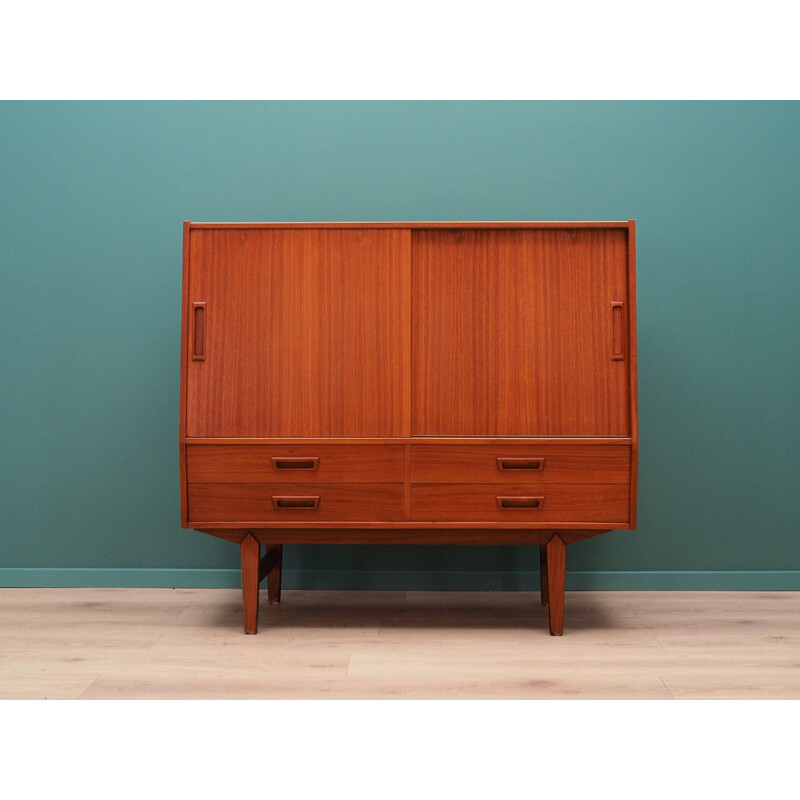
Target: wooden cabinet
(469,383)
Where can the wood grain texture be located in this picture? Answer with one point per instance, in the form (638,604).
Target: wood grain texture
(176,644)
(184,362)
(336,463)
(633,367)
(333,529)
(544,588)
(274,575)
(511,332)
(556,571)
(407,478)
(380,534)
(575,503)
(513,224)
(267,563)
(478,464)
(250,552)
(605,441)
(304,333)
(415,533)
(231,502)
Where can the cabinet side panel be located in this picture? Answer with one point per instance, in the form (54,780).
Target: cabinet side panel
(633,369)
(305,333)
(183,362)
(513,333)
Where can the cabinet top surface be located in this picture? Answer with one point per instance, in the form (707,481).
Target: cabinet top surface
(437,224)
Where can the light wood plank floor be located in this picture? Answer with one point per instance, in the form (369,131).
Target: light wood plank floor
(188,643)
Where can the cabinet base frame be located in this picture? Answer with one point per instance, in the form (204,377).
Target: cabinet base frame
(255,567)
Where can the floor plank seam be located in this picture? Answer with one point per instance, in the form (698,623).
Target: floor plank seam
(672,696)
(96,678)
(660,643)
(633,610)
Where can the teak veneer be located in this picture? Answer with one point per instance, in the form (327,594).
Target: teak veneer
(398,383)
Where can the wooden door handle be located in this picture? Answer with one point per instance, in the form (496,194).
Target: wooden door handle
(199,331)
(310,503)
(295,463)
(509,503)
(617,331)
(520,463)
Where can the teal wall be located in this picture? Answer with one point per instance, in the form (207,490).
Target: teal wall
(92,196)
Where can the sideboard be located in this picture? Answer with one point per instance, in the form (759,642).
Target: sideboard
(408,382)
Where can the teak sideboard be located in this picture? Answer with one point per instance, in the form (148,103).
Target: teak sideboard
(408,383)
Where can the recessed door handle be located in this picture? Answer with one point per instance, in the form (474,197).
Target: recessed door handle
(198,331)
(618,331)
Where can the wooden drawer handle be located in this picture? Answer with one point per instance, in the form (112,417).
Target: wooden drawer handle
(617,331)
(198,331)
(508,503)
(520,463)
(295,463)
(305,503)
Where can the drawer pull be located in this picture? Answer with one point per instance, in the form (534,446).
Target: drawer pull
(305,503)
(295,463)
(505,503)
(199,332)
(617,331)
(520,463)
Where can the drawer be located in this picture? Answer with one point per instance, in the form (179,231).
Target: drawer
(529,502)
(296,502)
(294,463)
(496,463)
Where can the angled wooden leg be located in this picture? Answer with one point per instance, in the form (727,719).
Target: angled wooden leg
(250,551)
(274,575)
(543,574)
(556,570)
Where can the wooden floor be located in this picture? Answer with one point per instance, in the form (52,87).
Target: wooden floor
(188,643)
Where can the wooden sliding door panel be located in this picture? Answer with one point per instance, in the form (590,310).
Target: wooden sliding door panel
(301,333)
(520,332)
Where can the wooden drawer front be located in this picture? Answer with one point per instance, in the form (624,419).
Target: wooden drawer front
(266,463)
(520,464)
(296,502)
(530,502)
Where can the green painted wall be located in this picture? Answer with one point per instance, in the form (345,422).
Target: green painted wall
(92,196)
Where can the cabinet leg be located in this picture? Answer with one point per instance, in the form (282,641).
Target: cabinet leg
(556,569)
(543,575)
(274,575)
(250,552)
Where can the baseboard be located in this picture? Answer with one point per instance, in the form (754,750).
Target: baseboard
(423,580)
